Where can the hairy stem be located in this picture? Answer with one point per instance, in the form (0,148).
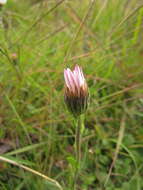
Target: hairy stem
(78,140)
(78,137)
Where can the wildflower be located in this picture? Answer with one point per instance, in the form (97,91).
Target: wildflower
(76,91)
(14,58)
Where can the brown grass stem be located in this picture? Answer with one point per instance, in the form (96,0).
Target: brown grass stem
(32,171)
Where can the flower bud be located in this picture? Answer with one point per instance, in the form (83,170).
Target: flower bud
(76,91)
(14,58)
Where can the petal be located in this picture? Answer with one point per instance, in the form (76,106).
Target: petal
(80,75)
(66,78)
(76,79)
(70,80)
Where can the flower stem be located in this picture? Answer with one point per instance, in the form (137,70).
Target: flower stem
(78,137)
(78,140)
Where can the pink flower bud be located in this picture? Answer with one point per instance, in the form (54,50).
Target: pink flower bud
(76,91)
(13,56)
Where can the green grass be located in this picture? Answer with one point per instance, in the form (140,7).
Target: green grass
(36,130)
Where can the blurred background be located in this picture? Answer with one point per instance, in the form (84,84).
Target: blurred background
(38,40)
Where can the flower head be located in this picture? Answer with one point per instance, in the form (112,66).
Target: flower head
(76,90)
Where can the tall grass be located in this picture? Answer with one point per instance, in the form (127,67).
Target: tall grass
(105,38)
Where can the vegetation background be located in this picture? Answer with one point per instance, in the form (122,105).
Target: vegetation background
(38,39)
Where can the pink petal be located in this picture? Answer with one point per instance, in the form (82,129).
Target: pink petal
(66,78)
(80,76)
(69,79)
(76,79)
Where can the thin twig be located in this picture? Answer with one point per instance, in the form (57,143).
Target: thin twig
(32,171)
(78,31)
(119,142)
(37,21)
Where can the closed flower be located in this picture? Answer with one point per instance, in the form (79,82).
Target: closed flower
(76,91)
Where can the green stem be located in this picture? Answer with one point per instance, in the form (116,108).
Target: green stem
(78,138)
(78,141)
